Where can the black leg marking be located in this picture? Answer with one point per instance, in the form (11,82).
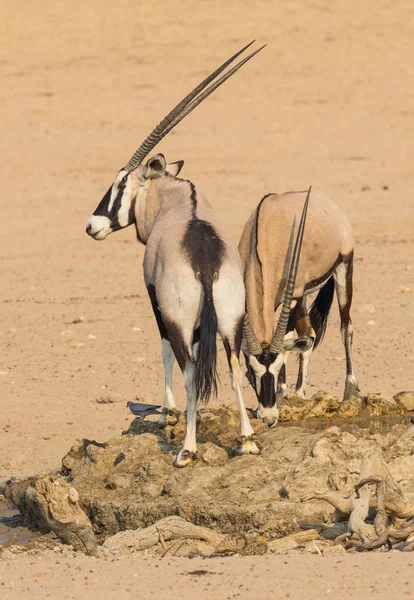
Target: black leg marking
(281,380)
(161,325)
(170,331)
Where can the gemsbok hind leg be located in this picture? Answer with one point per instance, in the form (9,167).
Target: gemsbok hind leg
(182,344)
(343,285)
(189,450)
(170,413)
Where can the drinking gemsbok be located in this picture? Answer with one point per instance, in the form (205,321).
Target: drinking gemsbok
(322,259)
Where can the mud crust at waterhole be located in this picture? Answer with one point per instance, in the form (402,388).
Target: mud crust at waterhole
(129,482)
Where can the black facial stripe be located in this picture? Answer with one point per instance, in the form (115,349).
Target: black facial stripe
(266,359)
(118,200)
(267,395)
(102,208)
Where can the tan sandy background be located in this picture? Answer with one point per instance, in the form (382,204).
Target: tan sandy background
(329,102)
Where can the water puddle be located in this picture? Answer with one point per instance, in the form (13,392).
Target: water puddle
(12,529)
(372,425)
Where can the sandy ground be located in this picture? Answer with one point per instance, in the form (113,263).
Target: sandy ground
(329,102)
(298,577)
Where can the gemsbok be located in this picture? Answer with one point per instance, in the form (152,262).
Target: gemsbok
(322,259)
(192,271)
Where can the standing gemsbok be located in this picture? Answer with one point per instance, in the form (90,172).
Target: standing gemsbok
(323,261)
(192,271)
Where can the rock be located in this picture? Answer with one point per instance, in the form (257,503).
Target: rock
(213,455)
(341,479)
(324,405)
(292,407)
(5,554)
(282,545)
(337,549)
(315,547)
(406,399)
(295,408)
(379,404)
(350,407)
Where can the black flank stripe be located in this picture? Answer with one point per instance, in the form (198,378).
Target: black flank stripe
(257,225)
(312,284)
(193,199)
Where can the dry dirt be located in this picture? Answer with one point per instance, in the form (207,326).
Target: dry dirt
(329,102)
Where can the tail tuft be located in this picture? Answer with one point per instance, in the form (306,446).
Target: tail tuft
(205,374)
(319,311)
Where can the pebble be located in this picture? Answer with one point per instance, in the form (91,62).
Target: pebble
(91,336)
(110,399)
(368,308)
(3,372)
(78,345)
(404,289)
(79,320)
(371,322)
(136,329)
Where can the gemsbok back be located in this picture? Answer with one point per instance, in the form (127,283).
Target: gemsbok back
(192,271)
(322,259)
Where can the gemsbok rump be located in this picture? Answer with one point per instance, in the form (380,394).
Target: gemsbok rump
(322,259)
(192,271)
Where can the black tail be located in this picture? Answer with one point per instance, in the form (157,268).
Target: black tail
(205,375)
(319,311)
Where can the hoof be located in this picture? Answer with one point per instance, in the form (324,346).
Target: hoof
(168,417)
(351,389)
(184,458)
(247,445)
(301,393)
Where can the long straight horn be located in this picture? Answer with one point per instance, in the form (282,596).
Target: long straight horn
(182,109)
(276,345)
(249,335)
(194,103)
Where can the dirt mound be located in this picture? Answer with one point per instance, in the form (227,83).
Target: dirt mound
(129,482)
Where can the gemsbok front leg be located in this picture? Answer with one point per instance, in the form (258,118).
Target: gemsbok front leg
(304,329)
(230,317)
(343,285)
(247,444)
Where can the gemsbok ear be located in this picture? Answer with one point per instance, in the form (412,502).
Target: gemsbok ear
(298,345)
(154,167)
(175,167)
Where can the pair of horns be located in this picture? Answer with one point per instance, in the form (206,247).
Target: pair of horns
(188,104)
(276,345)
